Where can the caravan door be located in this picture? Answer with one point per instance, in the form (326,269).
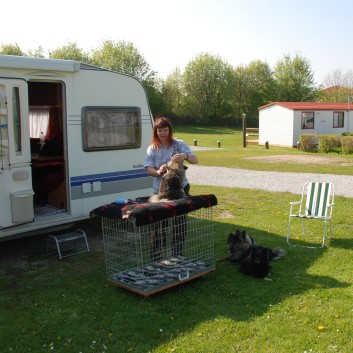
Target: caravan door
(16,192)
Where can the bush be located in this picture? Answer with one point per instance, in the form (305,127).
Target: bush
(308,142)
(347,144)
(329,143)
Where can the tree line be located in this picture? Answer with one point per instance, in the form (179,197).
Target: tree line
(209,91)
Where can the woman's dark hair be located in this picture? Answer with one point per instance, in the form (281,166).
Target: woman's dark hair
(161,122)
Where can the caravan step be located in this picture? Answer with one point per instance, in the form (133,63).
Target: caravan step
(68,244)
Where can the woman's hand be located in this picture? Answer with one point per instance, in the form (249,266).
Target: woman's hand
(179,157)
(162,170)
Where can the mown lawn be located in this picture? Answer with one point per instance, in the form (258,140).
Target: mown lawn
(67,306)
(232,153)
(47,305)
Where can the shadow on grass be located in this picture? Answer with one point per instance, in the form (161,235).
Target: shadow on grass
(226,292)
(343,243)
(74,292)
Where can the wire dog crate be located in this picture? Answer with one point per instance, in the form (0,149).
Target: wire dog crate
(152,247)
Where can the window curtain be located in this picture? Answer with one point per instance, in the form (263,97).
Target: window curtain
(38,121)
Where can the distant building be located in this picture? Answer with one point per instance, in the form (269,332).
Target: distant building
(282,123)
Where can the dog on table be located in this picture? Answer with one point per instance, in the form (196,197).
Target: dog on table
(171,186)
(254,260)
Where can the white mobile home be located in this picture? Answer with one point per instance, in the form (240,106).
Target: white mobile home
(282,123)
(72,137)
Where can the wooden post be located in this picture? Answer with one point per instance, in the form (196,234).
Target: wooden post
(244,130)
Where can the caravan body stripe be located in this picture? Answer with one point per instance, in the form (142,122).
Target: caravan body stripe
(110,184)
(108,177)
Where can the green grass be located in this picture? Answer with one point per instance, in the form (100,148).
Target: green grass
(47,305)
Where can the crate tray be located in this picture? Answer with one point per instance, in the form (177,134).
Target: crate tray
(158,276)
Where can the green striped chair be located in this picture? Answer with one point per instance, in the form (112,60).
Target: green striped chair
(316,203)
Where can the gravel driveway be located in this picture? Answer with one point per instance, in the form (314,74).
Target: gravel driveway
(270,181)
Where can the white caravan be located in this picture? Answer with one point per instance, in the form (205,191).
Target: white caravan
(72,137)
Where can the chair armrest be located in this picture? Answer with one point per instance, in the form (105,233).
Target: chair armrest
(291,208)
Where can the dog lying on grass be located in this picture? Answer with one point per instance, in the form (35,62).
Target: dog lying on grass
(239,244)
(171,186)
(254,260)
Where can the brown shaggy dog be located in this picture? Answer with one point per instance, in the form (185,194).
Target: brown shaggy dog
(171,186)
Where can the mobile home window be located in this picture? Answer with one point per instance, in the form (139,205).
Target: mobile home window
(338,119)
(307,120)
(107,128)
(17,120)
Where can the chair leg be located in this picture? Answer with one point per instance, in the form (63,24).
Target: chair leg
(288,233)
(303,228)
(324,237)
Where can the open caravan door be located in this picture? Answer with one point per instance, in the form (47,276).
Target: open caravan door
(16,192)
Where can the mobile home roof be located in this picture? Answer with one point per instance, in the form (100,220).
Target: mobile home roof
(308,105)
(23,62)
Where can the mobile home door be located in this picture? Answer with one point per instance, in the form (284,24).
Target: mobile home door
(16,192)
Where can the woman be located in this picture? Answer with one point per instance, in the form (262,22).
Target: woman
(165,148)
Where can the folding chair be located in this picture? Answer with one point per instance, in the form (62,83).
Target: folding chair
(316,203)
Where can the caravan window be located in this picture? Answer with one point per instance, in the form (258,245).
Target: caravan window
(17,120)
(111,128)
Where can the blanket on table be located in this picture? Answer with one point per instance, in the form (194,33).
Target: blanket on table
(143,212)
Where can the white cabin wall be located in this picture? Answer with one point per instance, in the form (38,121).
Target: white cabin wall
(323,124)
(276,126)
(297,130)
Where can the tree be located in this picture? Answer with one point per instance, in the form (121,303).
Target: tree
(70,51)
(11,49)
(339,86)
(208,83)
(154,89)
(173,92)
(123,57)
(260,87)
(253,88)
(37,53)
(294,80)
(240,91)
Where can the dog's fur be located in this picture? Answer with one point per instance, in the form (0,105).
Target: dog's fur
(254,260)
(257,263)
(171,186)
(239,244)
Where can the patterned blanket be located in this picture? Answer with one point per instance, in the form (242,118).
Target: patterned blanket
(143,212)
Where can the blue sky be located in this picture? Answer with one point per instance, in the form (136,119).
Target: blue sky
(170,33)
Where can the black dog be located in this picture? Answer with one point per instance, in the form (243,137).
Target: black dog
(254,260)
(257,263)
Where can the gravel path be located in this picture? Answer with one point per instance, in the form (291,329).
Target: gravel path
(270,181)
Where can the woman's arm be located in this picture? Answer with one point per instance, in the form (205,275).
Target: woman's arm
(156,172)
(180,157)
